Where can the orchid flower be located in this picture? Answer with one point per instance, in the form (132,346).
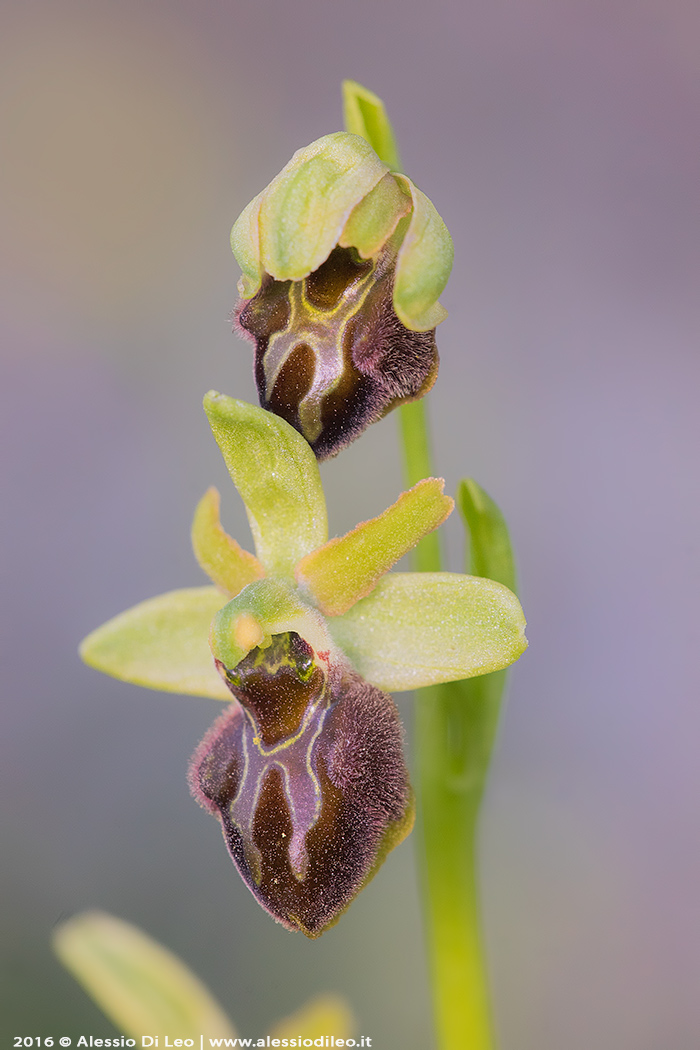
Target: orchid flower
(343,261)
(305,768)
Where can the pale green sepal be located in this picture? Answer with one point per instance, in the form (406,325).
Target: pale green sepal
(319,1018)
(245,245)
(423,266)
(306,206)
(418,629)
(141,986)
(375,218)
(226,563)
(162,644)
(262,609)
(347,568)
(489,552)
(366,115)
(277,475)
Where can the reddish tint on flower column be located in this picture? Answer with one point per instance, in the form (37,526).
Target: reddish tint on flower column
(306,774)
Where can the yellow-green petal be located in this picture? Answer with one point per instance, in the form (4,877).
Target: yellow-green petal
(347,568)
(418,629)
(245,245)
(225,563)
(324,1015)
(162,643)
(375,218)
(423,266)
(141,986)
(366,115)
(277,475)
(305,207)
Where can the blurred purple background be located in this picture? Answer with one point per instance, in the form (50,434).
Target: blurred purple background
(560,143)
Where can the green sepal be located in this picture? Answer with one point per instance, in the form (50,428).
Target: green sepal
(162,644)
(365,115)
(489,551)
(305,207)
(418,629)
(264,608)
(245,245)
(277,475)
(347,568)
(136,982)
(375,218)
(226,563)
(423,266)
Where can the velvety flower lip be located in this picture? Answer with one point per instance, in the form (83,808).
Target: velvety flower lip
(305,769)
(343,262)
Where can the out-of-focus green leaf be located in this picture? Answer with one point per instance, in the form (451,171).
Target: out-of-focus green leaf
(324,1015)
(140,985)
(226,563)
(418,629)
(347,568)
(366,115)
(162,643)
(276,474)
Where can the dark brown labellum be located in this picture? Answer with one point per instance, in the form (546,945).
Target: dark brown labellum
(331,355)
(307,776)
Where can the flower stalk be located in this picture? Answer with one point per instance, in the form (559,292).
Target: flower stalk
(456,724)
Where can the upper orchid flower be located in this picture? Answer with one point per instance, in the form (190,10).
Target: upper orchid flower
(343,262)
(306,771)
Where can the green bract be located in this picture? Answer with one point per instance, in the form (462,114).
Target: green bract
(306,771)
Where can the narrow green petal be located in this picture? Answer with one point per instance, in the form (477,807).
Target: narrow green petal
(489,551)
(322,1016)
(418,629)
(423,266)
(264,608)
(162,643)
(375,218)
(348,568)
(225,563)
(306,206)
(365,115)
(140,985)
(245,245)
(277,475)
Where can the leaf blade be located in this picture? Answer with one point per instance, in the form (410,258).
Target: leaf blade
(136,982)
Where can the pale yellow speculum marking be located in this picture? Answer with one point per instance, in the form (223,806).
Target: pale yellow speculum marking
(308,793)
(324,332)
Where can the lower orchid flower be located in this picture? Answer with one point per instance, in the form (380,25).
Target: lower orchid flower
(305,769)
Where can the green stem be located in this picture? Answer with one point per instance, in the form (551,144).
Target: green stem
(455,723)
(454,734)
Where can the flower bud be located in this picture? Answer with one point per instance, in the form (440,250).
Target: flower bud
(343,262)
(307,776)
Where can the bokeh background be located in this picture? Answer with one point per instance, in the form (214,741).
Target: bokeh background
(559,140)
